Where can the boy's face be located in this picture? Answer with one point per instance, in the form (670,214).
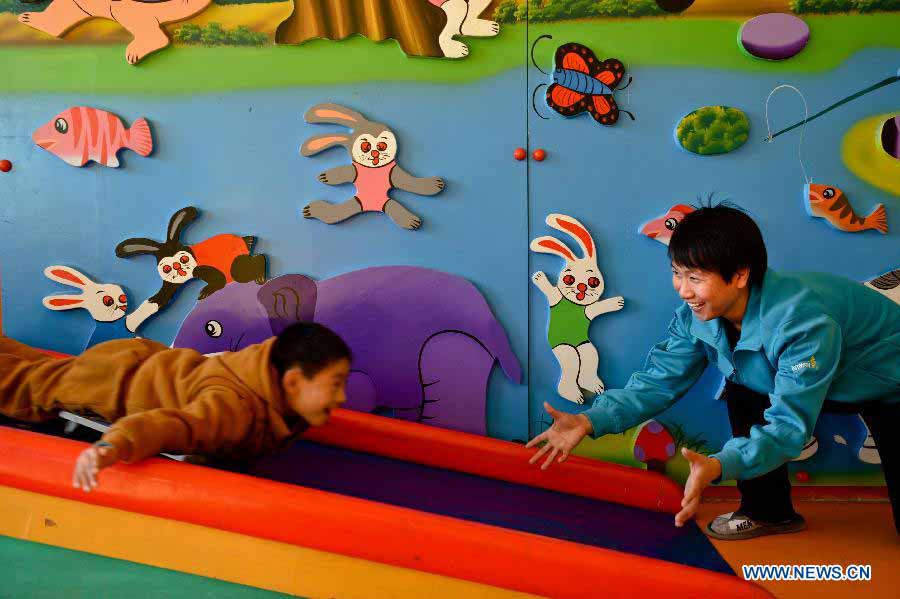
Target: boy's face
(314,398)
(709,295)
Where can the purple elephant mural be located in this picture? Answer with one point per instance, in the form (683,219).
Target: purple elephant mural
(424,341)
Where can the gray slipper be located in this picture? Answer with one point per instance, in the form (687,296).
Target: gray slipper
(735,526)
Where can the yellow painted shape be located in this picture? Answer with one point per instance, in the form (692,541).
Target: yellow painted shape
(863,154)
(219,554)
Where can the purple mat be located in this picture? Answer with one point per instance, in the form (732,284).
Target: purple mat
(473,498)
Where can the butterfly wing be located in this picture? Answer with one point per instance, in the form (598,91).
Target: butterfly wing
(576,57)
(604,109)
(610,72)
(566,101)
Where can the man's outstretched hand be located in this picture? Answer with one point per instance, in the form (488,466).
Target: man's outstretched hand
(89,464)
(704,470)
(561,438)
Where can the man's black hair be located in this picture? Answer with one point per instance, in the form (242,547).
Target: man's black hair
(722,239)
(308,345)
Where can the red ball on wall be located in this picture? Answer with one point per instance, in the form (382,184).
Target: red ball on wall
(5,166)
(539,155)
(520,154)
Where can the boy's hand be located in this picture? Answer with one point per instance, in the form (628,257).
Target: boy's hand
(562,437)
(90,462)
(704,470)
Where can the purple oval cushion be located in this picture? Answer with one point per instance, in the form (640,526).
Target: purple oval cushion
(774,36)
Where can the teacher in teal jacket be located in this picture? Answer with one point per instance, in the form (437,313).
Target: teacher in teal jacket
(789,346)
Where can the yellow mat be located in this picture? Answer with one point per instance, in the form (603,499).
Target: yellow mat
(218,554)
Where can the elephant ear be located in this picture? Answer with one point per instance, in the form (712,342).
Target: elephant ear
(288,299)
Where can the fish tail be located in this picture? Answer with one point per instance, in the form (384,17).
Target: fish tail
(878,220)
(139,137)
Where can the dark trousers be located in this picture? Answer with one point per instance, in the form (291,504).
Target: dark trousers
(768,497)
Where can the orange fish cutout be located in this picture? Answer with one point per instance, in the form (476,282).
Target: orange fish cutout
(81,134)
(661,228)
(830,203)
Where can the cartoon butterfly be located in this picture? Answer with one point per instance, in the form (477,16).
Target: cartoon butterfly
(582,82)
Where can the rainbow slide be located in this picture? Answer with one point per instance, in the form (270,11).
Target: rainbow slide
(369,506)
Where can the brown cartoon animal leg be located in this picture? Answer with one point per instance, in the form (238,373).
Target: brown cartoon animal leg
(56,19)
(401,216)
(148,36)
(213,278)
(249,268)
(330,213)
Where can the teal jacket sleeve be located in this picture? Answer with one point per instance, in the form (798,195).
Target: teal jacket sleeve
(671,367)
(808,351)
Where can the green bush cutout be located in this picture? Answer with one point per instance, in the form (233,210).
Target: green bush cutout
(831,6)
(535,11)
(214,35)
(713,130)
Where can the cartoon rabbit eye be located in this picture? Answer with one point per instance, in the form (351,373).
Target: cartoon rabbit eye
(594,282)
(61,125)
(167,269)
(671,223)
(381,146)
(568,279)
(184,259)
(123,299)
(214,328)
(108,300)
(365,146)
(828,193)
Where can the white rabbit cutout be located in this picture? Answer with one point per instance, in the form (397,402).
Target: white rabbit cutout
(107,303)
(574,303)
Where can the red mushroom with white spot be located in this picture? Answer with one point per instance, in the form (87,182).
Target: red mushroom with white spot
(654,445)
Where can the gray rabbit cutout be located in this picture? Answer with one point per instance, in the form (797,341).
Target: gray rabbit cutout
(374,171)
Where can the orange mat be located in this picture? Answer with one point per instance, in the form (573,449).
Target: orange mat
(840,533)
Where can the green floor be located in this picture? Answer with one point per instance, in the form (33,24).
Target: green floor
(39,571)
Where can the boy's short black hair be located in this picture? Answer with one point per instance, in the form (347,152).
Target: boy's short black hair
(721,239)
(308,345)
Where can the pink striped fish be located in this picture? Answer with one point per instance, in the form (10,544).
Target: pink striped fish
(81,133)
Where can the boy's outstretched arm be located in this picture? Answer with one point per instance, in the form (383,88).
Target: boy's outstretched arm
(217,420)
(90,462)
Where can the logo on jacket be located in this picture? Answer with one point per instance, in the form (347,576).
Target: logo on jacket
(810,364)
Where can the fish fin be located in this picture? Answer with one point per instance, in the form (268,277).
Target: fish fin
(112,161)
(139,137)
(878,219)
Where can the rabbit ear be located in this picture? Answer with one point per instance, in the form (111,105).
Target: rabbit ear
(316,144)
(334,113)
(575,229)
(67,276)
(137,246)
(179,221)
(550,245)
(63,302)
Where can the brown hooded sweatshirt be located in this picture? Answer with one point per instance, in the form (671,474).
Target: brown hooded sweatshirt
(160,399)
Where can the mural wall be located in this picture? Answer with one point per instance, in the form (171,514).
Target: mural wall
(246,164)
